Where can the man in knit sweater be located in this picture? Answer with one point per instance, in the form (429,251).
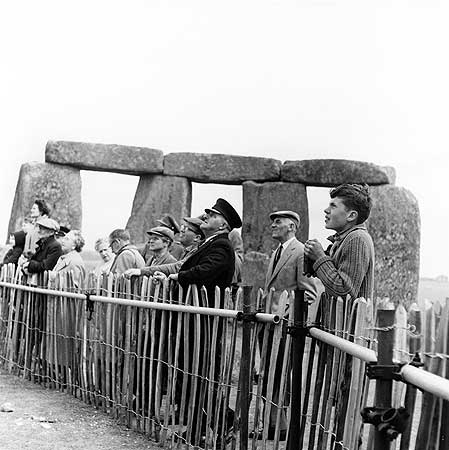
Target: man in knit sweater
(347,268)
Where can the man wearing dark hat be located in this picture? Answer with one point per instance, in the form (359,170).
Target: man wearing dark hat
(210,266)
(213,263)
(285,272)
(48,248)
(190,237)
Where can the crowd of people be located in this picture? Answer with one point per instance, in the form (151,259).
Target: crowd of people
(208,251)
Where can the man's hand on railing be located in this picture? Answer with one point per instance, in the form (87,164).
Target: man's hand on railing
(159,276)
(132,273)
(173,276)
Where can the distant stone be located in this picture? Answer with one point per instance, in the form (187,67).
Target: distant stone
(259,200)
(254,269)
(221,169)
(105,157)
(332,172)
(394,225)
(59,186)
(156,196)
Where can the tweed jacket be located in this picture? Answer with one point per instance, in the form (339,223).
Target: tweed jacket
(128,257)
(288,275)
(211,265)
(349,268)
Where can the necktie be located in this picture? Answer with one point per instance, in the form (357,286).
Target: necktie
(277,256)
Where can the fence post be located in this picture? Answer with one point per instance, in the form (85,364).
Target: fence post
(245,369)
(385,339)
(297,352)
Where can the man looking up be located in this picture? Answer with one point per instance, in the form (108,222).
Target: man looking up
(348,269)
(190,237)
(126,254)
(213,263)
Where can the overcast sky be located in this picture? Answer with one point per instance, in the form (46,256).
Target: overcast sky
(283,79)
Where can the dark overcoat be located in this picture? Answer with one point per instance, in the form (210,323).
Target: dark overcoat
(211,265)
(47,254)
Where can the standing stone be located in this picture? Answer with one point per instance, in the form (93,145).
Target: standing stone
(254,269)
(332,172)
(156,196)
(59,186)
(259,200)
(221,169)
(394,225)
(105,157)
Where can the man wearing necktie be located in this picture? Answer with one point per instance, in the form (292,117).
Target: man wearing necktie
(285,272)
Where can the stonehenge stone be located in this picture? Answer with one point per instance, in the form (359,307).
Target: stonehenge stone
(332,172)
(221,169)
(156,196)
(259,200)
(254,268)
(105,157)
(394,225)
(59,186)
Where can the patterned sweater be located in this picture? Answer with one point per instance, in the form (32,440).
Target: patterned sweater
(349,268)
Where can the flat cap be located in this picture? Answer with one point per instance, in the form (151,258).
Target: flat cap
(225,209)
(170,222)
(48,223)
(162,232)
(62,230)
(193,223)
(288,214)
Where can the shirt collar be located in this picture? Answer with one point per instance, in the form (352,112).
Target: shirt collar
(287,243)
(337,237)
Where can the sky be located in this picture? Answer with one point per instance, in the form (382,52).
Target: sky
(283,79)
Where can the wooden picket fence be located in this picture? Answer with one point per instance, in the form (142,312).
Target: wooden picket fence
(197,377)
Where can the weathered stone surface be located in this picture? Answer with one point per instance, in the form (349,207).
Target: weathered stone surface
(259,200)
(156,196)
(59,186)
(221,169)
(254,268)
(394,224)
(105,157)
(332,172)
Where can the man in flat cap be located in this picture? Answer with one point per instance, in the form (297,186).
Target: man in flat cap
(48,248)
(190,237)
(168,221)
(285,272)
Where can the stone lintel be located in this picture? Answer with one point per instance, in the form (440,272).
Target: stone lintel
(221,169)
(105,157)
(332,172)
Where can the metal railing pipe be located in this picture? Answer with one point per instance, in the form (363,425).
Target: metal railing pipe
(365,354)
(427,381)
(226,313)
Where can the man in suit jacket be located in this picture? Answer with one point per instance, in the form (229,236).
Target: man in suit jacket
(285,272)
